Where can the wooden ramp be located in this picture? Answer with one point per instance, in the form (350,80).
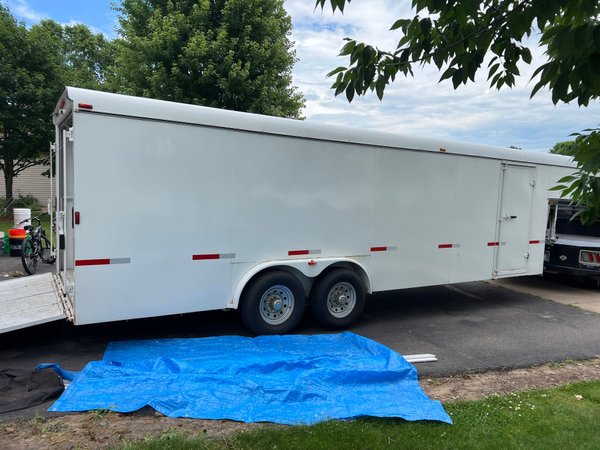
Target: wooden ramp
(29,301)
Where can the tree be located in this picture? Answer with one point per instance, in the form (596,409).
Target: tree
(28,81)
(457,35)
(563,148)
(233,54)
(35,66)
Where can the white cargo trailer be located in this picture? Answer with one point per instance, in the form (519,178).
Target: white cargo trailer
(166,208)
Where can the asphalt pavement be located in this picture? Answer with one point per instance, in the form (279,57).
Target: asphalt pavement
(11,267)
(470,327)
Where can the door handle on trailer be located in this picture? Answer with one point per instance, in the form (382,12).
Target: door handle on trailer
(512,217)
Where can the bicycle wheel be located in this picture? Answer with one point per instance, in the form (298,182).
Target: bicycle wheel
(29,256)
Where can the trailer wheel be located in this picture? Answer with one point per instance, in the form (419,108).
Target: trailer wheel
(338,298)
(273,303)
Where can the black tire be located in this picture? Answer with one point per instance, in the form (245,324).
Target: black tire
(262,298)
(338,298)
(29,256)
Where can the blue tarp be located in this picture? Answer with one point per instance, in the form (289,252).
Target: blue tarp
(283,379)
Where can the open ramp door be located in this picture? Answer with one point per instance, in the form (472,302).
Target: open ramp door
(29,301)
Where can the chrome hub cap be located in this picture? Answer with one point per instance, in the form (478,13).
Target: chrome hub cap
(341,300)
(276,305)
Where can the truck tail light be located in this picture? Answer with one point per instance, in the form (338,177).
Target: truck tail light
(589,257)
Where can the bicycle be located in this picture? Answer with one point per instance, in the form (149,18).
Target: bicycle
(36,246)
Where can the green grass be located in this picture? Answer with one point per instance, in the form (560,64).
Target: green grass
(566,417)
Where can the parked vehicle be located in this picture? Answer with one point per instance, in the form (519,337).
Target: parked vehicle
(279,213)
(571,247)
(36,246)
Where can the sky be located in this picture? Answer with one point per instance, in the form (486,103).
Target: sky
(416,106)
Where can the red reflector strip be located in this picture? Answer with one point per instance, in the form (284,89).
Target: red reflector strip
(493,244)
(386,248)
(205,256)
(85,106)
(303,252)
(534,242)
(102,261)
(92,262)
(379,249)
(445,246)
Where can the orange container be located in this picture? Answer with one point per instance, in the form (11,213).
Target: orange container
(15,240)
(17,233)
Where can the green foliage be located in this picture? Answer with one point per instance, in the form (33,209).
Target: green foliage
(583,187)
(80,57)
(29,82)
(233,54)
(562,148)
(35,66)
(22,201)
(566,417)
(456,36)
(28,201)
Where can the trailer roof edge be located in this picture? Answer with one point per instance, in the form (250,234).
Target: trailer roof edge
(160,110)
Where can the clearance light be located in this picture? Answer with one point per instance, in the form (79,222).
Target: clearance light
(86,106)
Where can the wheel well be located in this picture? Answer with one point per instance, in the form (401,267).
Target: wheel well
(304,280)
(354,267)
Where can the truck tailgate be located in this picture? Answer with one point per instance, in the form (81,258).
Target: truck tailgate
(29,301)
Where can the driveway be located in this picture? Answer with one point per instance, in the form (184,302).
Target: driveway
(11,266)
(470,327)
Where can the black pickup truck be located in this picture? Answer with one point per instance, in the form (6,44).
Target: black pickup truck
(571,247)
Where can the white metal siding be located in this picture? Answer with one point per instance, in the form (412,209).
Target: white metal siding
(153,193)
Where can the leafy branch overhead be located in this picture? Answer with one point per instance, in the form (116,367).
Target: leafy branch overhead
(458,36)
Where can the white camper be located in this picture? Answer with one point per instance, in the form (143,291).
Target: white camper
(166,208)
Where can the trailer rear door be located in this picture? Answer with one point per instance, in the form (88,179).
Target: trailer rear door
(516,202)
(64,206)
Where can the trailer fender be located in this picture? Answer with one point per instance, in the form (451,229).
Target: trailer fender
(306,270)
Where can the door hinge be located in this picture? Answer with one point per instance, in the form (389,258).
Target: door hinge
(70,135)
(532,183)
(52,146)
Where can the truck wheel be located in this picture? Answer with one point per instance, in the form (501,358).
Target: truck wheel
(338,298)
(273,303)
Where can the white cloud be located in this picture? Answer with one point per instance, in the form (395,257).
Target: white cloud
(21,9)
(421,105)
